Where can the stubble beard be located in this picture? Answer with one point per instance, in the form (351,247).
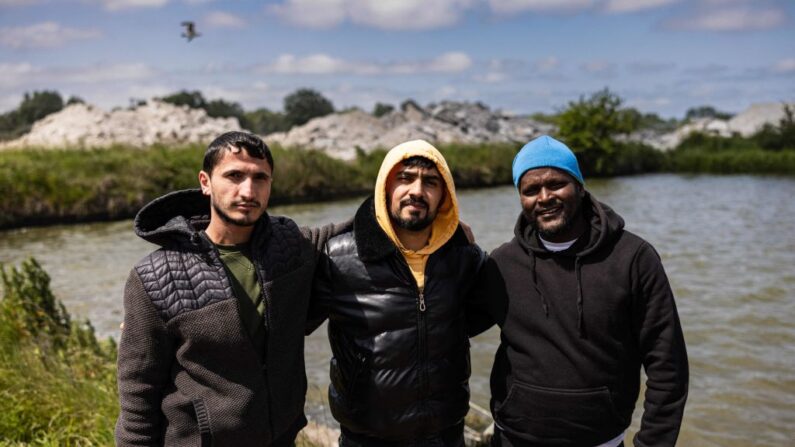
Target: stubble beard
(550,230)
(244,222)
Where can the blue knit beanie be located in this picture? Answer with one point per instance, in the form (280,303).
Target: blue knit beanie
(545,152)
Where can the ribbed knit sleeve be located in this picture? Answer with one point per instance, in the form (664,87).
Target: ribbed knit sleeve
(145,356)
(662,349)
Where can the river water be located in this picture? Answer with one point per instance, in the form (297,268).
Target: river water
(727,243)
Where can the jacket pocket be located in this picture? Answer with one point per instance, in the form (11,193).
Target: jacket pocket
(540,413)
(203,422)
(346,377)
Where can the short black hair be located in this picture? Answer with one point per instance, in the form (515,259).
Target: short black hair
(251,143)
(420,162)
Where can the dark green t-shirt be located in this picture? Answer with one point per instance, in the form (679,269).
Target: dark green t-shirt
(248,291)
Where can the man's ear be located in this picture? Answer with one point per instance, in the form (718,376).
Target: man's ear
(204,182)
(580,191)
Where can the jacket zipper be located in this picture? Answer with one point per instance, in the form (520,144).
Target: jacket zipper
(267,319)
(421,327)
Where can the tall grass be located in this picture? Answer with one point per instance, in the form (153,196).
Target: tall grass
(57,381)
(62,186)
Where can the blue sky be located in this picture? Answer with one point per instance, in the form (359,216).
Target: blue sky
(524,56)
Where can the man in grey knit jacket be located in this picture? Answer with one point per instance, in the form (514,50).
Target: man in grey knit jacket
(211,351)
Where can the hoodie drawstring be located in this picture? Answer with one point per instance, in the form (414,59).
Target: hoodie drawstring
(544,304)
(580,318)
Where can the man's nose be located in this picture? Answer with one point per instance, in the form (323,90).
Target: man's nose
(246,190)
(416,188)
(544,195)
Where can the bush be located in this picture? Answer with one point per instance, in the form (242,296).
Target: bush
(194,99)
(263,121)
(57,381)
(705,112)
(590,127)
(381,109)
(305,104)
(777,138)
(32,108)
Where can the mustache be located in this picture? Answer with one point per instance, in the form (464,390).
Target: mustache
(410,201)
(253,203)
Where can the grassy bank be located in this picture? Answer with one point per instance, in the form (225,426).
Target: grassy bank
(741,161)
(57,381)
(64,186)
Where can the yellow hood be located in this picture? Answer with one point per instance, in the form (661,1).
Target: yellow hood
(446,222)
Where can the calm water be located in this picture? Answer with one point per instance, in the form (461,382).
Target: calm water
(728,245)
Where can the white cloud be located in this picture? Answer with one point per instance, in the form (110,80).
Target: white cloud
(731,19)
(599,68)
(220,19)
(8,3)
(117,5)
(785,66)
(621,6)
(547,64)
(407,14)
(514,6)
(312,13)
(651,67)
(107,73)
(12,75)
(43,35)
(25,74)
(323,64)
(381,14)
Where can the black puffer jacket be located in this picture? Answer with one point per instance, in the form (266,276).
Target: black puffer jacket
(398,372)
(188,373)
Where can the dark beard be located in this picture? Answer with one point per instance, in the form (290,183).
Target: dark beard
(228,219)
(413,223)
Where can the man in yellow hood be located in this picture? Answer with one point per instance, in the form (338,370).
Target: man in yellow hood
(393,286)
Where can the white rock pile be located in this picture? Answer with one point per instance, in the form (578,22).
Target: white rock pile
(86,126)
(747,123)
(341,134)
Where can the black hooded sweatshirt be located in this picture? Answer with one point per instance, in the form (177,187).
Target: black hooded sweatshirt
(577,325)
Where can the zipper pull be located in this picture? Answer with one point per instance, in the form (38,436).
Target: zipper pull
(422,302)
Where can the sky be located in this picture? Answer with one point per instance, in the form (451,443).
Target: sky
(521,56)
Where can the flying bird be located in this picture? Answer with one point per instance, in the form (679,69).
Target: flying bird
(190,31)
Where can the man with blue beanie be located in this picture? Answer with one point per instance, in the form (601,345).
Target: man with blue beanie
(582,305)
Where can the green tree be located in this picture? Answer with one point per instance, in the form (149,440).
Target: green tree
(305,104)
(706,112)
(218,108)
(381,109)
(38,105)
(194,99)
(74,100)
(776,138)
(589,127)
(263,121)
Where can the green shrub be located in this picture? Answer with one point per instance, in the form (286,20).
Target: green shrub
(751,161)
(590,127)
(57,381)
(304,104)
